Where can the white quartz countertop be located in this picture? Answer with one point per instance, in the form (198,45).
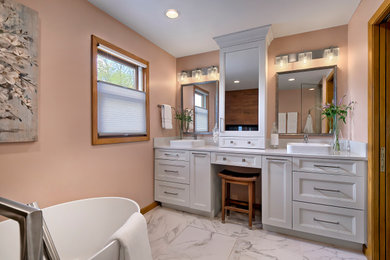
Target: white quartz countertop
(269,152)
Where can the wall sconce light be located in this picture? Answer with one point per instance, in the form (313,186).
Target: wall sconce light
(197,74)
(282,61)
(212,73)
(182,76)
(305,57)
(331,53)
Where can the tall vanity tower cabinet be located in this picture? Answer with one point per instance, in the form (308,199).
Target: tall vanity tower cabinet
(243,79)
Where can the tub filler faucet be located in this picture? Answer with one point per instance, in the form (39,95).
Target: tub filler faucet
(30,226)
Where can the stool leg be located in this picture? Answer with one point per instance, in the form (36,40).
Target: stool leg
(223,200)
(228,197)
(254,200)
(250,203)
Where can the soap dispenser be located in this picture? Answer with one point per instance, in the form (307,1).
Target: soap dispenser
(274,137)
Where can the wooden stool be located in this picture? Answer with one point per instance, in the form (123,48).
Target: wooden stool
(247,179)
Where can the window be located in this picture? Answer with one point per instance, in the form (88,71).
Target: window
(201,110)
(120,95)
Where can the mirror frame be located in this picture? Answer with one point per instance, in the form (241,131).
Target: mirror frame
(216,103)
(277,96)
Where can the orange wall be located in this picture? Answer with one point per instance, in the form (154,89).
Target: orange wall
(63,165)
(358,66)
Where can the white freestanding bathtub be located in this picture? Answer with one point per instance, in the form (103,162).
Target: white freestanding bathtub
(80,229)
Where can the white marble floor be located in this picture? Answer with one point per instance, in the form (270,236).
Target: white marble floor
(178,235)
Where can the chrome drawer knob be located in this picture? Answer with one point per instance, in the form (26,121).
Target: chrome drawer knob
(249,142)
(243,160)
(224,158)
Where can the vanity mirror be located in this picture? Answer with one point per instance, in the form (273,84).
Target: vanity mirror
(202,99)
(299,97)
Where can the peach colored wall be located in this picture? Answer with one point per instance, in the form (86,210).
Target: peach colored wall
(335,36)
(358,66)
(63,165)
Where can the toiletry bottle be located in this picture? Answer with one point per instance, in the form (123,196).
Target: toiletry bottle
(274,137)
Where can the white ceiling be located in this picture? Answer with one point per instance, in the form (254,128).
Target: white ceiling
(201,20)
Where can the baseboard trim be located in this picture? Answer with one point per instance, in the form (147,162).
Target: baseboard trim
(150,207)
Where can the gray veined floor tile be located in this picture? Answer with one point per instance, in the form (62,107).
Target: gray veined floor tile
(179,235)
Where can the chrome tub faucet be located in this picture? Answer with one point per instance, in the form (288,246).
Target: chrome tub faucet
(30,225)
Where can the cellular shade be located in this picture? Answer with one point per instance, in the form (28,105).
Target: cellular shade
(201,119)
(121,111)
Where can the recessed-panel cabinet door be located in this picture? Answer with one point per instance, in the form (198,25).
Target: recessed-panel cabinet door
(277,191)
(200,181)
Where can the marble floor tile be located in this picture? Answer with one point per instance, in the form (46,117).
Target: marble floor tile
(179,235)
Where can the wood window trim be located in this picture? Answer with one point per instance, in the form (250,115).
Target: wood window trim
(373,249)
(96,139)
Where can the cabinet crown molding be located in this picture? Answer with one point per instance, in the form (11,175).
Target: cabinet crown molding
(247,36)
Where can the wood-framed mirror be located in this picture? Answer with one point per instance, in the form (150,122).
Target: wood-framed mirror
(202,99)
(300,95)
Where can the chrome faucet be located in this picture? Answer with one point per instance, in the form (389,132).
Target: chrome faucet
(30,226)
(305,138)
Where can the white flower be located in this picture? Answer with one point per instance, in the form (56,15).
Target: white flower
(8,75)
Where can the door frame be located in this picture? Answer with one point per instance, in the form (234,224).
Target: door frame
(374,194)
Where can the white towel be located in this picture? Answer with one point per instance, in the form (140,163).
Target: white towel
(282,123)
(309,125)
(292,122)
(166,116)
(133,239)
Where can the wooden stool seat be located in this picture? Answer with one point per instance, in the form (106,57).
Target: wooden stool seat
(246,179)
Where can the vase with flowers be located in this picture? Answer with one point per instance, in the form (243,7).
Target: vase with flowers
(336,113)
(184,118)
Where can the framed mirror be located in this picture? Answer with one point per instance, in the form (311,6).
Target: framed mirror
(299,97)
(202,99)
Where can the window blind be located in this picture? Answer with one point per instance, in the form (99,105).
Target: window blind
(121,111)
(201,119)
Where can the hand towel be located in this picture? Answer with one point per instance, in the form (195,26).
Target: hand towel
(309,125)
(166,116)
(292,122)
(282,123)
(133,239)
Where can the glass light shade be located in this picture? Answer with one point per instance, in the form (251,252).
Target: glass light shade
(212,72)
(197,74)
(282,61)
(182,76)
(305,56)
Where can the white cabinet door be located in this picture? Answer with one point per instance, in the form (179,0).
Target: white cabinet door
(277,191)
(200,181)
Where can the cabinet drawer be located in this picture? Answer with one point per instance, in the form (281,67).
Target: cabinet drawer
(172,193)
(243,160)
(343,191)
(176,171)
(176,155)
(330,166)
(340,223)
(250,142)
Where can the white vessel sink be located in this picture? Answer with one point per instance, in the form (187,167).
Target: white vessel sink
(309,148)
(187,143)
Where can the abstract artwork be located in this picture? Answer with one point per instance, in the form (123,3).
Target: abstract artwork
(19,36)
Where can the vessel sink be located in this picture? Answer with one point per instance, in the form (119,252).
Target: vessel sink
(190,143)
(309,148)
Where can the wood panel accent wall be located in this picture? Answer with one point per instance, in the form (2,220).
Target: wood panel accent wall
(242,107)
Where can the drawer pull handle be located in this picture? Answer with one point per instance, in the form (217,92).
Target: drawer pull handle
(200,154)
(243,160)
(326,166)
(327,221)
(169,154)
(224,158)
(172,165)
(171,193)
(276,160)
(321,189)
(171,171)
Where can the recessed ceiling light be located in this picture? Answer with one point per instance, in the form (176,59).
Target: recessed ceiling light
(291,79)
(172,13)
(311,88)
(236,81)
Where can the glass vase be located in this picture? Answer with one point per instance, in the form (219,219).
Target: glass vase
(336,137)
(181,126)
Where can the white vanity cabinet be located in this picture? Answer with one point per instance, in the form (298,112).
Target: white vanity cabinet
(185,180)
(276,183)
